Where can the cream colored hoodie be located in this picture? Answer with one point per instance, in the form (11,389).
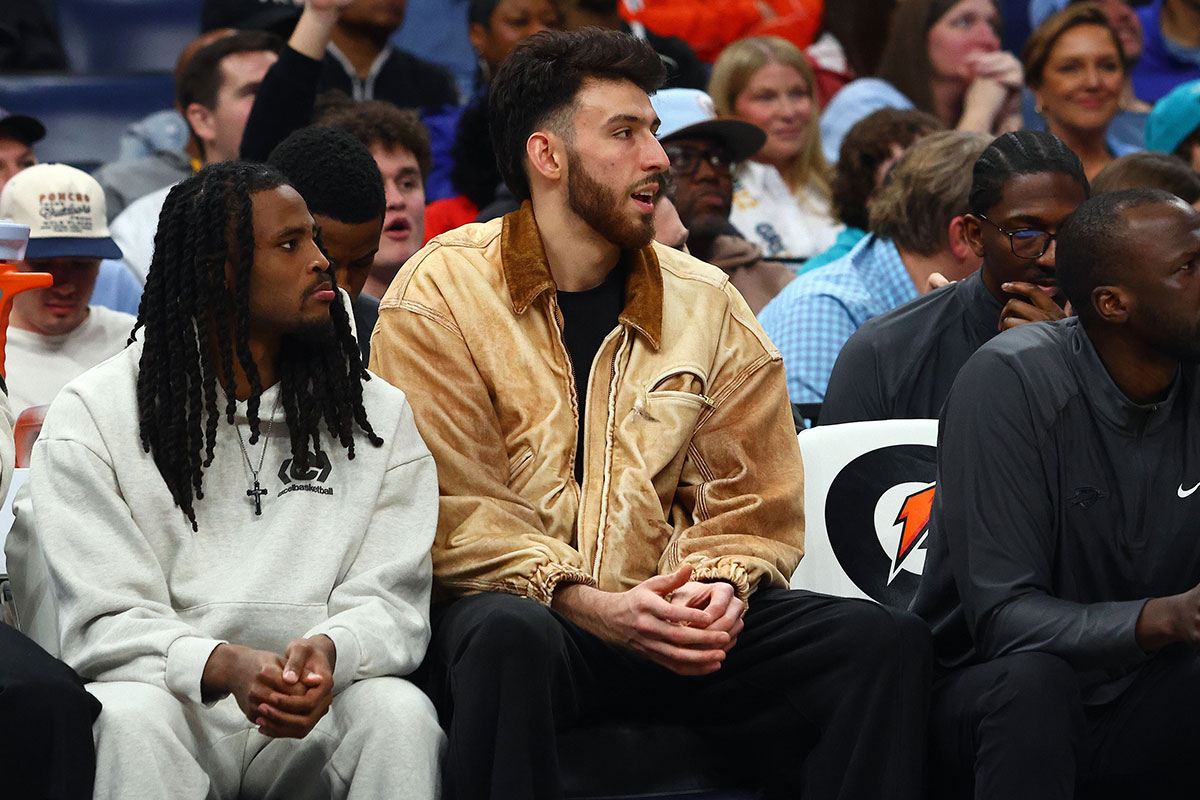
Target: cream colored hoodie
(108,574)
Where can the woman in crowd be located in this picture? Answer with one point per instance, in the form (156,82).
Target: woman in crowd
(852,36)
(780,196)
(496,27)
(1076,67)
(1127,133)
(960,75)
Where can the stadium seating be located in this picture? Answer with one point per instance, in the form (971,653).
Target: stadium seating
(868,487)
(85,115)
(112,36)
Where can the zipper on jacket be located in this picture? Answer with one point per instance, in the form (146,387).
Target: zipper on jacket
(1143,489)
(576,408)
(610,422)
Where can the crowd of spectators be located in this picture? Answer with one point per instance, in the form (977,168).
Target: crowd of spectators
(888,185)
(1109,78)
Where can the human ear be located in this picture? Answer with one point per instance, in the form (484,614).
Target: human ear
(544,151)
(1112,304)
(971,232)
(478,36)
(960,245)
(199,117)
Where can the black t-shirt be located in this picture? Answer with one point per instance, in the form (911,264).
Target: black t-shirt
(588,317)
(366,314)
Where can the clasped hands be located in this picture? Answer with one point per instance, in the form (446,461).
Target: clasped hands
(683,625)
(284,696)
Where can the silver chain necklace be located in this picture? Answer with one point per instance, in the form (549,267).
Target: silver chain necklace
(257,492)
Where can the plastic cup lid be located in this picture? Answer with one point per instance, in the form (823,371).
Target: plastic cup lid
(13,238)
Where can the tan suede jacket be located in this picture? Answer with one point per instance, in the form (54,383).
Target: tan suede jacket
(690,450)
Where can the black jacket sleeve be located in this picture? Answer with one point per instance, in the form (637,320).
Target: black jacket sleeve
(284,103)
(996,465)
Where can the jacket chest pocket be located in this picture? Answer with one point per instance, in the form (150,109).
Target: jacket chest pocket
(655,431)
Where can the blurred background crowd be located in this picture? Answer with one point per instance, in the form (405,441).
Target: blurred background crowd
(142,93)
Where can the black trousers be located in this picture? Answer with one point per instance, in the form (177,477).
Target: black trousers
(46,717)
(1016,727)
(507,673)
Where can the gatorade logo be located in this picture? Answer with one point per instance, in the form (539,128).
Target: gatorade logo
(877,516)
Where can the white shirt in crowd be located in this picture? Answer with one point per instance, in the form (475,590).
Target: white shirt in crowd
(133,231)
(38,366)
(783,224)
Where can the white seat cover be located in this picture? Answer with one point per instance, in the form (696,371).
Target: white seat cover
(867,493)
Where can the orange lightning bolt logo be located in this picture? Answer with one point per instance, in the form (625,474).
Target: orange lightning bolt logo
(914,513)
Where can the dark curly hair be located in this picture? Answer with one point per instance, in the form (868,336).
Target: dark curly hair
(334,173)
(868,145)
(375,122)
(206,221)
(541,78)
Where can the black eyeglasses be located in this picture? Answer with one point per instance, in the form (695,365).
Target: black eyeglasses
(686,160)
(1027,243)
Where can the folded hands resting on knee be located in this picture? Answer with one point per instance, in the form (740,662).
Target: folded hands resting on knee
(681,624)
(283,695)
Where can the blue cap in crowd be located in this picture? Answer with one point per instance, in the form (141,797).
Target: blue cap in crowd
(1174,118)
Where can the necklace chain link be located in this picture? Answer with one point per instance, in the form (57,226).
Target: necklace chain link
(256,492)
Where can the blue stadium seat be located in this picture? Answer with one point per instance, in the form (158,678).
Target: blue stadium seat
(126,35)
(85,115)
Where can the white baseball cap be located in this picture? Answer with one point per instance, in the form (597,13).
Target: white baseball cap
(687,113)
(64,209)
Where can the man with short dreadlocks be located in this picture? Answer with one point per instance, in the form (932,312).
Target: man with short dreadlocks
(234,522)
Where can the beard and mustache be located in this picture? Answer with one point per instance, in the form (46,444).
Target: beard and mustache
(600,207)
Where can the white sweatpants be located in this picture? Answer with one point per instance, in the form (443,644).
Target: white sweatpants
(380,738)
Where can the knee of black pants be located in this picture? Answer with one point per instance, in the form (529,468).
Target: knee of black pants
(509,631)
(887,637)
(51,699)
(1034,696)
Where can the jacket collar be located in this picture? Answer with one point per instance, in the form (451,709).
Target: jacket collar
(1104,396)
(527,273)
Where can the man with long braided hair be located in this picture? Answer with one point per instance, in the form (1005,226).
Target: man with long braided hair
(172,494)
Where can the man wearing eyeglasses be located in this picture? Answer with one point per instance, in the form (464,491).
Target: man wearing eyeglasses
(703,151)
(901,365)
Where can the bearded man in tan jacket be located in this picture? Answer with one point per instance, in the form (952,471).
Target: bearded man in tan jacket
(621,486)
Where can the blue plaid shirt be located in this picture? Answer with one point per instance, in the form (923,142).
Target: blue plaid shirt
(815,314)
